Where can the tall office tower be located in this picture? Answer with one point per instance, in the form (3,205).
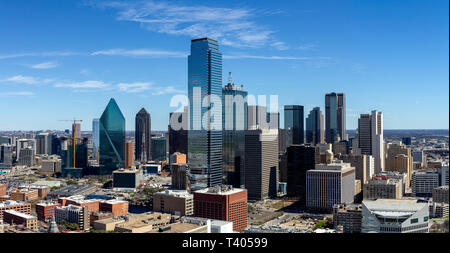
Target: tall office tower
(95,137)
(256,117)
(5,156)
(25,143)
(335,117)
(261,163)
(314,127)
(293,123)
(205,133)
(273,120)
(26,156)
(234,122)
(370,138)
(222,202)
(300,158)
(399,158)
(330,184)
(159,152)
(282,141)
(76,131)
(143,136)
(112,138)
(178,137)
(129,154)
(81,153)
(43,144)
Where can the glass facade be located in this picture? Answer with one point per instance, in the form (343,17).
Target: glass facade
(294,124)
(314,127)
(335,117)
(95,138)
(159,148)
(112,139)
(234,121)
(204,142)
(142,136)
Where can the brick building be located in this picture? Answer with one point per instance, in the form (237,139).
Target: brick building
(25,194)
(16,218)
(19,206)
(46,210)
(116,207)
(2,189)
(222,203)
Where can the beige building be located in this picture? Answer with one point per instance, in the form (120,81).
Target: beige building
(17,218)
(364,165)
(382,188)
(175,202)
(143,223)
(399,158)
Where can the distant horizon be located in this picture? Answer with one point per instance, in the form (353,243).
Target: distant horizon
(392,129)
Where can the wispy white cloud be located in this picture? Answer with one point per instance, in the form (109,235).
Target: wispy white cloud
(20,79)
(140,53)
(167,90)
(45,65)
(244,56)
(232,26)
(134,87)
(18,93)
(91,84)
(37,54)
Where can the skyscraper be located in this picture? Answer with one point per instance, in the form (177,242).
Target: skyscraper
(335,117)
(95,137)
(112,138)
(76,132)
(128,154)
(178,138)
(314,127)
(256,115)
(294,124)
(142,136)
(370,138)
(205,138)
(234,120)
(261,163)
(43,143)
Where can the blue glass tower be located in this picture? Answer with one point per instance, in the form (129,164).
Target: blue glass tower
(234,121)
(314,127)
(95,138)
(204,141)
(294,125)
(335,117)
(112,139)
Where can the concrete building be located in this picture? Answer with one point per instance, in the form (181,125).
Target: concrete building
(383,187)
(369,138)
(261,163)
(129,158)
(399,158)
(178,158)
(348,216)
(19,206)
(330,184)
(423,183)
(14,217)
(73,214)
(444,175)
(440,194)
(439,209)
(127,179)
(174,202)
(364,165)
(222,203)
(394,216)
(420,157)
(143,223)
(51,165)
(28,194)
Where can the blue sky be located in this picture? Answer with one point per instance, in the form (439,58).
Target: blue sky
(65,59)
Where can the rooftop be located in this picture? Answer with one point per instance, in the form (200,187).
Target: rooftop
(23,215)
(176,193)
(394,205)
(12,203)
(220,190)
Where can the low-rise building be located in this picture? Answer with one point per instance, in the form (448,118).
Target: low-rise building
(440,194)
(180,173)
(438,209)
(73,214)
(2,189)
(14,217)
(127,179)
(143,223)
(114,206)
(24,194)
(423,183)
(382,187)
(175,202)
(19,206)
(46,210)
(348,216)
(394,216)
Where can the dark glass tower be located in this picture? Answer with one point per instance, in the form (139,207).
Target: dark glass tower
(142,136)
(294,125)
(334,117)
(300,158)
(314,127)
(234,121)
(204,143)
(112,139)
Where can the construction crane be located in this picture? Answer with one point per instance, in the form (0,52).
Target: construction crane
(73,136)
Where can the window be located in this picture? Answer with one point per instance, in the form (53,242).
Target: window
(425,218)
(414,220)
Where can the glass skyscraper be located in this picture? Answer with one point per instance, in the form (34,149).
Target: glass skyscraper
(112,139)
(95,138)
(314,127)
(204,142)
(335,117)
(234,118)
(142,136)
(294,124)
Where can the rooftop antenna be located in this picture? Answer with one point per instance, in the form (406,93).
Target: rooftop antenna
(230,78)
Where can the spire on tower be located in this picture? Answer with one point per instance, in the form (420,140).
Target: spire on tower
(230,78)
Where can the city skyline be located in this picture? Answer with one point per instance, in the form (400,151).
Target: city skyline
(112,55)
